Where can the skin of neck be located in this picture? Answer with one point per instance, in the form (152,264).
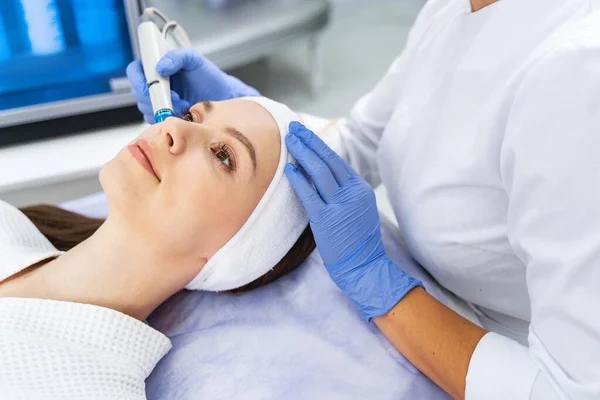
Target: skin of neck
(115,268)
(477,5)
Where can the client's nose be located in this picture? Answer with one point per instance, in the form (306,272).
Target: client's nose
(174,134)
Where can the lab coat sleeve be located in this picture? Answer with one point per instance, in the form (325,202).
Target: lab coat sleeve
(550,166)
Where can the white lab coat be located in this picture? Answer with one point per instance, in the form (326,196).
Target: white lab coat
(486,135)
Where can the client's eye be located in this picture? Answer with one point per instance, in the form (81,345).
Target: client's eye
(223,153)
(187,116)
(225,156)
(190,115)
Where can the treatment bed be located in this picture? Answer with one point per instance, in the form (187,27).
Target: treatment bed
(297,338)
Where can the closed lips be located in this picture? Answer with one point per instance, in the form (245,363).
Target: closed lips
(146,152)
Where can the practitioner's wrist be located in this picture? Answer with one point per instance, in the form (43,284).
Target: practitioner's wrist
(382,285)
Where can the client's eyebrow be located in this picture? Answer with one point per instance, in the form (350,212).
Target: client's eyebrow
(208,106)
(243,140)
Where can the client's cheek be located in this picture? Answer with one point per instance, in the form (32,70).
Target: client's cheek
(223,223)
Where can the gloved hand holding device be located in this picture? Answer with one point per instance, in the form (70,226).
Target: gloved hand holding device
(194,78)
(345,223)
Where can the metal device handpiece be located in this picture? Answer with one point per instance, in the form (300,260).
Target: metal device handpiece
(157,35)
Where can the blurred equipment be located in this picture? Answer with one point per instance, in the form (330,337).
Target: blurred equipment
(62,66)
(4,45)
(158,35)
(220,3)
(233,33)
(99,32)
(44,28)
(62,62)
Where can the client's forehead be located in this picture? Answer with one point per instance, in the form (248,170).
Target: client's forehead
(246,116)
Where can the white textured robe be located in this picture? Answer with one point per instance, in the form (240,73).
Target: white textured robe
(61,350)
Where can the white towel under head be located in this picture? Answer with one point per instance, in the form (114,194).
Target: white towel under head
(271,230)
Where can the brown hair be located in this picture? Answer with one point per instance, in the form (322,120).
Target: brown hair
(66,229)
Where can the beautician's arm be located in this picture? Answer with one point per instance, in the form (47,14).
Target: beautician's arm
(438,341)
(346,227)
(549,169)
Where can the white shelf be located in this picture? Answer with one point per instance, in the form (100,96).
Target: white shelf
(62,159)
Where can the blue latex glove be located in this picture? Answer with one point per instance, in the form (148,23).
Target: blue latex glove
(193,79)
(345,223)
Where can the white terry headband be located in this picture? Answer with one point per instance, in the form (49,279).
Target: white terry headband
(271,230)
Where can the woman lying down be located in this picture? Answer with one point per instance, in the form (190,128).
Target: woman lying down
(199,203)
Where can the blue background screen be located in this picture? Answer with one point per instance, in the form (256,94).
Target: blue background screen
(54,50)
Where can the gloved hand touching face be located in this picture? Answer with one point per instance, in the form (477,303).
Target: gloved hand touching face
(193,79)
(345,223)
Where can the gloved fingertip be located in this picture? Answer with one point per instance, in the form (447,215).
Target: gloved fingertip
(251,92)
(135,74)
(135,65)
(175,96)
(303,132)
(165,66)
(129,68)
(294,126)
(291,139)
(180,107)
(290,169)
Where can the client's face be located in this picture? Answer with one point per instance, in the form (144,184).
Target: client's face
(189,184)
